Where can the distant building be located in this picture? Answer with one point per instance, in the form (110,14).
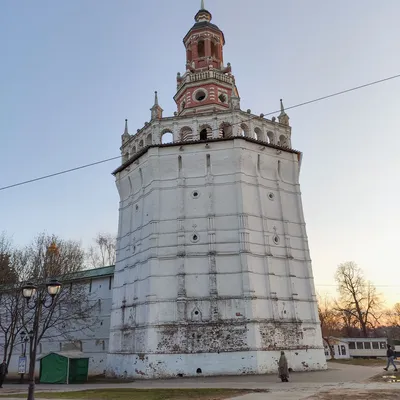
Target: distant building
(93,343)
(213,273)
(367,347)
(356,347)
(338,347)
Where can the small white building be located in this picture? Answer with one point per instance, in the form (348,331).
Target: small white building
(339,347)
(367,347)
(355,347)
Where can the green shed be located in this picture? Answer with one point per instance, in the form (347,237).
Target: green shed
(64,367)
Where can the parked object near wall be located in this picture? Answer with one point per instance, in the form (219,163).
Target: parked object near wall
(59,368)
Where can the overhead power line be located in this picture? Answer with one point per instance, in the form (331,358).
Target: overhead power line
(270,113)
(66,171)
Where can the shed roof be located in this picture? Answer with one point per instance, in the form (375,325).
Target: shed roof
(67,354)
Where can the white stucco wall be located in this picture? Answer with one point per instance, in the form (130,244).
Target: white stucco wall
(213,267)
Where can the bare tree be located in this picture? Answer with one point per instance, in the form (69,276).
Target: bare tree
(103,253)
(330,320)
(7,272)
(70,311)
(359,302)
(10,296)
(70,314)
(393,316)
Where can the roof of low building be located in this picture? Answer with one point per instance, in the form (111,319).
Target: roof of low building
(67,354)
(92,273)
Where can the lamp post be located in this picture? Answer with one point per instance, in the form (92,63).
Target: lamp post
(35,301)
(24,341)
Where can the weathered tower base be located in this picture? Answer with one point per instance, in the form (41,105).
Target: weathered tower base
(159,366)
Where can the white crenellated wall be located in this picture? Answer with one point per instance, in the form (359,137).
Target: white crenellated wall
(213,268)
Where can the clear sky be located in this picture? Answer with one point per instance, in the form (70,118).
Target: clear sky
(72,71)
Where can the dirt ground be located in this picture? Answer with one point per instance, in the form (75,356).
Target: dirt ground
(384,376)
(357,395)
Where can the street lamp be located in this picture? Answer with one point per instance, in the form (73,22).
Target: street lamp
(24,342)
(36,302)
(29,290)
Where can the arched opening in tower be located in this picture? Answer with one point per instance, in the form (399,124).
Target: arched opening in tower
(167,137)
(225,130)
(201,48)
(203,134)
(213,50)
(244,130)
(258,135)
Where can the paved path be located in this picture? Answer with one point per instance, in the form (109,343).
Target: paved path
(301,385)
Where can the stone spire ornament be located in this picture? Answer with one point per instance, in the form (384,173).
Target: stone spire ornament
(156,110)
(202,5)
(283,117)
(235,99)
(125,135)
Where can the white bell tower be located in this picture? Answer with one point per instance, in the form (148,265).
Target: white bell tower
(213,272)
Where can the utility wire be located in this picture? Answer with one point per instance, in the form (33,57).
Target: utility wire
(237,123)
(58,173)
(339,93)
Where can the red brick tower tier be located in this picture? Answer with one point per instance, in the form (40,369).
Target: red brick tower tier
(207,85)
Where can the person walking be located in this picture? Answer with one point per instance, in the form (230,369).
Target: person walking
(3,372)
(390,358)
(283,368)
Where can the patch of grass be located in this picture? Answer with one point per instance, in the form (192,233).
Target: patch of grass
(138,394)
(366,362)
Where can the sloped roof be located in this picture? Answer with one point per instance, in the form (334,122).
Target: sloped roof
(91,273)
(67,354)
(204,25)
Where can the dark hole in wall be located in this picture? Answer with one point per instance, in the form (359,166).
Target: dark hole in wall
(199,371)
